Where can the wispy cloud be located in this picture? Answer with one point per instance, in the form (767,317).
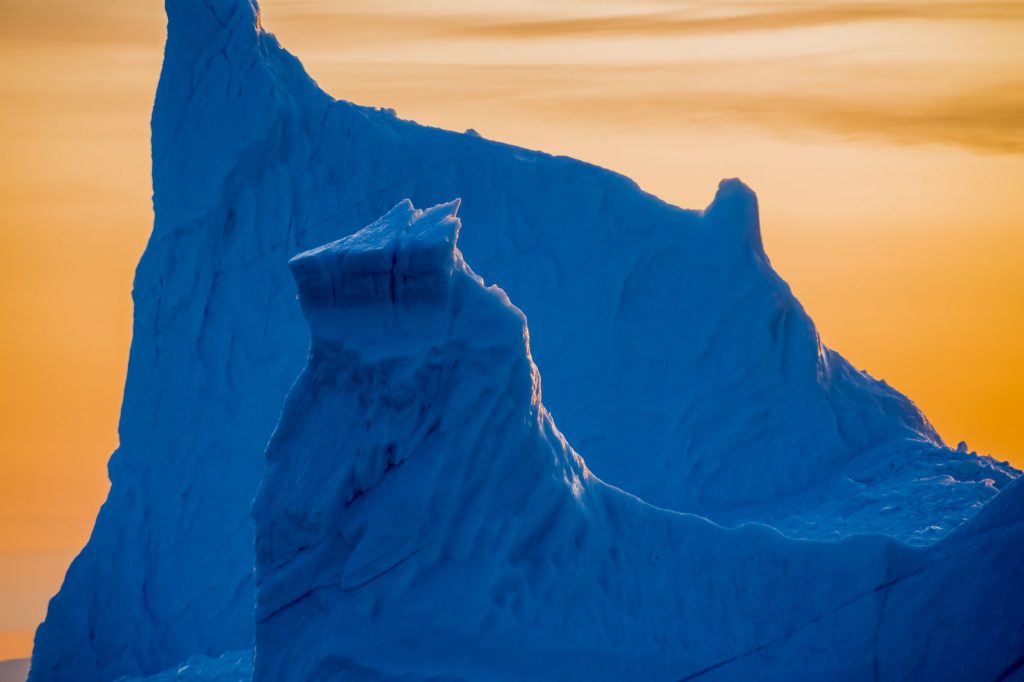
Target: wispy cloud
(682,99)
(514,21)
(987,118)
(931,75)
(735,17)
(55,24)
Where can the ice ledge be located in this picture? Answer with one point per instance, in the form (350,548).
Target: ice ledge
(406,255)
(735,215)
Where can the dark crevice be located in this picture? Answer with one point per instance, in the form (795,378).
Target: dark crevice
(813,621)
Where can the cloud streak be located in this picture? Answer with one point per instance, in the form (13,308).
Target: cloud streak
(685,99)
(743,18)
(915,83)
(512,23)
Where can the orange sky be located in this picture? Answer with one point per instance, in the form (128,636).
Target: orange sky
(885,141)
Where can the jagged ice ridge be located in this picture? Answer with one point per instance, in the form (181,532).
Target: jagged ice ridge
(422,518)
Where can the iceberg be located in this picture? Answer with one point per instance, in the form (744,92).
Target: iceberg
(422,518)
(675,359)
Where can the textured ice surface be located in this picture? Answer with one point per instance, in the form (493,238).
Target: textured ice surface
(675,359)
(422,518)
(233,666)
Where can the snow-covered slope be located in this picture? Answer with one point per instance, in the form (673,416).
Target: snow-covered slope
(422,518)
(674,357)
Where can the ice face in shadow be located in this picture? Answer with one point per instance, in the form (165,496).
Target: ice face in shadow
(231,666)
(422,518)
(675,359)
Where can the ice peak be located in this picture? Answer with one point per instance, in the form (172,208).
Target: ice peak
(734,210)
(224,15)
(404,241)
(734,189)
(407,254)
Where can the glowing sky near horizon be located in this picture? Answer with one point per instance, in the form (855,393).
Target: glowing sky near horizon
(885,141)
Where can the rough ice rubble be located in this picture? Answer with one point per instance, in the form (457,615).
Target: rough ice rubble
(667,324)
(422,518)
